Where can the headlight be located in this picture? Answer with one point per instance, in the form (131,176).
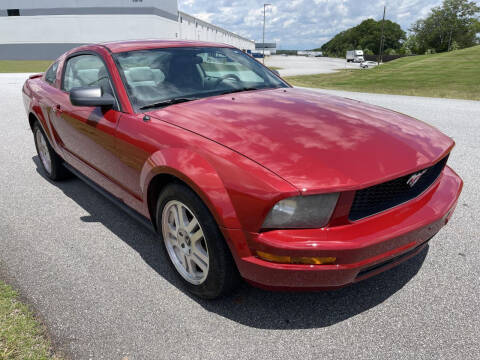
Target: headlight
(312,211)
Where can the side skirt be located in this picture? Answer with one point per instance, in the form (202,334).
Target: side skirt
(118,202)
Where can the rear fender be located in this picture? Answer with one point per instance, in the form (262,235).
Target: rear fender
(48,129)
(32,106)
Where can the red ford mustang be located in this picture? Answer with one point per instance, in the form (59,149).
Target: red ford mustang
(240,174)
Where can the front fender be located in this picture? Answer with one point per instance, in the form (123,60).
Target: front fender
(197,172)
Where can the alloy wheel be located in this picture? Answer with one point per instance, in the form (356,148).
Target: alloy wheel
(185,242)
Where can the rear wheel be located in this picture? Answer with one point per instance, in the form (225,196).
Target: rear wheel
(51,163)
(193,243)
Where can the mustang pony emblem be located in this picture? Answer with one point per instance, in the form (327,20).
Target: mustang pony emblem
(415,177)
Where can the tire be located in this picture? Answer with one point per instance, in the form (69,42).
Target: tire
(195,247)
(51,163)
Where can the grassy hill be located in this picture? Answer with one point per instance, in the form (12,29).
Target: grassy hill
(454,74)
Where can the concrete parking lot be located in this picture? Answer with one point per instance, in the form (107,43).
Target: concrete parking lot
(302,65)
(100,283)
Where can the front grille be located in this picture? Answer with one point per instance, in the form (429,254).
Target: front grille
(381,197)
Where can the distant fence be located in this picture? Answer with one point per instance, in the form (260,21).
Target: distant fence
(385,58)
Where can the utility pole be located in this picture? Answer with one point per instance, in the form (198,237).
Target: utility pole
(380,50)
(264,7)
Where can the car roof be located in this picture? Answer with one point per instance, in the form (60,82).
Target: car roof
(130,45)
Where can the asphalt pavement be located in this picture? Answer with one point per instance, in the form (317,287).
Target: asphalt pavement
(100,283)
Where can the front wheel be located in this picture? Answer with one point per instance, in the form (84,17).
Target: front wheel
(193,243)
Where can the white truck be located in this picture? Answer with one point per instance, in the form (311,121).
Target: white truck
(355,56)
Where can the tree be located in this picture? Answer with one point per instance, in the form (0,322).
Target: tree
(410,46)
(454,22)
(366,35)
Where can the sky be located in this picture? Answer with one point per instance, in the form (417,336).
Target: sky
(302,24)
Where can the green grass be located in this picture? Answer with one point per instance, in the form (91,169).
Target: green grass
(21,336)
(24,66)
(448,75)
(275,68)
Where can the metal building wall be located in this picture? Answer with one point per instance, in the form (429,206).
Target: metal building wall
(192,28)
(169,6)
(45,29)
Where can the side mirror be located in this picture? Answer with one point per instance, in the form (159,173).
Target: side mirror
(276,72)
(91,96)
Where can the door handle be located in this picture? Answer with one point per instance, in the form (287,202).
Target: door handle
(57,108)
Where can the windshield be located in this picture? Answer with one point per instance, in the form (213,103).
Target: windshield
(160,77)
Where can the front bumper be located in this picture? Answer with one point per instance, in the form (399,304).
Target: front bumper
(363,248)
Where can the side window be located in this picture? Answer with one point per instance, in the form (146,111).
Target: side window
(51,74)
(86,71)
(216,64)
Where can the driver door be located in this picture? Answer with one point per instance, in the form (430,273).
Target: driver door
(87,134)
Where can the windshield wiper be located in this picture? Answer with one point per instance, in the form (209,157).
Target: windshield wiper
(167,103)
(240,90)
(186,99)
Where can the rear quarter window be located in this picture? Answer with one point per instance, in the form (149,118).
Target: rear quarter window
(51,74)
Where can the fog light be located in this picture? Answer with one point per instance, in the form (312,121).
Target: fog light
(296,260)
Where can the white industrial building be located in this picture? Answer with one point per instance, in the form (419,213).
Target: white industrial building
(44,29)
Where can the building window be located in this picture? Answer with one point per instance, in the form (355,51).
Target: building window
(13,12)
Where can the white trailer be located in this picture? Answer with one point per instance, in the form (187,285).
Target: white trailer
(355,56)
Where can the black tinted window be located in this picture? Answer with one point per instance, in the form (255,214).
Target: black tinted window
(51,74)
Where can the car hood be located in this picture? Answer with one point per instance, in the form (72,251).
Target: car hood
(316,142)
